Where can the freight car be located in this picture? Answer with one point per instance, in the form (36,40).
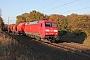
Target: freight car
(43,29)
(10,28)
(20,28)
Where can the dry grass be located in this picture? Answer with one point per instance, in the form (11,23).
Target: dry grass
(5,42)
(5,39)
(11,49)
(87,41)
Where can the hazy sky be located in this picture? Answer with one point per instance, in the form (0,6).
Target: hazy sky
(13,8)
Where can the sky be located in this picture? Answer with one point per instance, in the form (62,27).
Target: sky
(13,8)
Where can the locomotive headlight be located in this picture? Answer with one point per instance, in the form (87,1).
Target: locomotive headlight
(55,30)
(47,30)
(56,33)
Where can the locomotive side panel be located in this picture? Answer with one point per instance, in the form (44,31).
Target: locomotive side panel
(32,29)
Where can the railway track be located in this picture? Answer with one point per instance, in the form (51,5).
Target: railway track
(75,48)
(78,49)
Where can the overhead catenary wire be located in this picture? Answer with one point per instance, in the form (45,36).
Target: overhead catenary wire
(64,5)
(61,5)
(50,4)
(78,9)
(70,3)
(78,4)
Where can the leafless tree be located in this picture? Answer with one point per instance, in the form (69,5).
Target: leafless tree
(0,12)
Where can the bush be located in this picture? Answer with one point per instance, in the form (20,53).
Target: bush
(62,32)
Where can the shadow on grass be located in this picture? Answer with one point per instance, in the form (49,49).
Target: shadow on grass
(75,36)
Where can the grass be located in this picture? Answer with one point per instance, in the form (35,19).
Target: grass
(13,50)
(87,41)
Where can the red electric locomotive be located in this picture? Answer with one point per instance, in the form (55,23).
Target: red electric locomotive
(43,29)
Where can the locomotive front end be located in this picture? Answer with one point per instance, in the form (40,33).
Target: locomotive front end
(51,31)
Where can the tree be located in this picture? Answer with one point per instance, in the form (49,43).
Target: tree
(72,21)
(20,19)
(32,16)
(64,23)
(1,21)
(1,24)
(36,16)
(0,12)
(58,19)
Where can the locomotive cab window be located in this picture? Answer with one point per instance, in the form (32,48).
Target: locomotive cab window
(48,24)
(54,25)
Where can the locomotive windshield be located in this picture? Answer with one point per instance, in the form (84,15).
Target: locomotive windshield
(49,24)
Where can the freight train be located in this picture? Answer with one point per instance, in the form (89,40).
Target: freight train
(43,29)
